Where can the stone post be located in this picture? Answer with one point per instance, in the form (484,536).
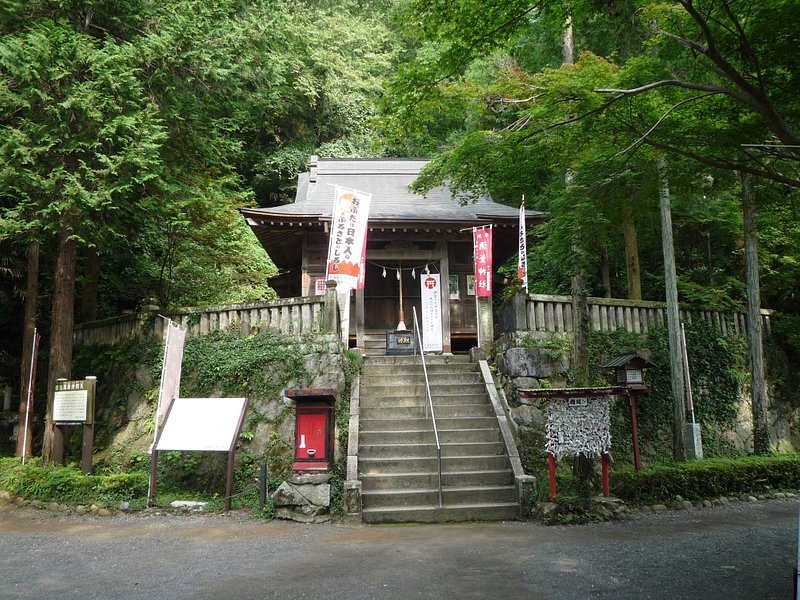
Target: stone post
(330,314)
(485,325)
(519,308)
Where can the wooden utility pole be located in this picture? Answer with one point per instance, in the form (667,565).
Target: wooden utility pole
(673,316)
(754,330)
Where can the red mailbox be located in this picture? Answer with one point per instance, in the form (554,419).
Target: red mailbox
(314,430)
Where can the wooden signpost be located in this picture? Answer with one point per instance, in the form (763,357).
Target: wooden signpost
(73,404)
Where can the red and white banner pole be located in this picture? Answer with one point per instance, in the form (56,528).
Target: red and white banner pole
(522,260)
(29,400)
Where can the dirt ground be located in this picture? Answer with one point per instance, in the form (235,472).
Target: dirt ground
(739,551)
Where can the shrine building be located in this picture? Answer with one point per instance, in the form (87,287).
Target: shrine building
(408,234)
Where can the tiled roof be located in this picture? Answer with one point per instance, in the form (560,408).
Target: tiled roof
(388,180)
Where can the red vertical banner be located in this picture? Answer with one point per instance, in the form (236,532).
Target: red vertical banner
(482,251)
(362,265)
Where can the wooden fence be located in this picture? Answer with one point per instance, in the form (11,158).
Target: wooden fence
(537,312)
(291,316)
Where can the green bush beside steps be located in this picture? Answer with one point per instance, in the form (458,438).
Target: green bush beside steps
(697,480)
(661,483)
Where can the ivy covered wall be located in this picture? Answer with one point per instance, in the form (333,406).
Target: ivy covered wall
(221,364)
(720,385)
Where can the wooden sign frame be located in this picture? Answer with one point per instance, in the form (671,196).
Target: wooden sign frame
(196,418)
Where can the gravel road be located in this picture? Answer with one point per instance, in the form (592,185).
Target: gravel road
(739,551)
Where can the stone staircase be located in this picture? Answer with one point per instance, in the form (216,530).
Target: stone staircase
(397,450)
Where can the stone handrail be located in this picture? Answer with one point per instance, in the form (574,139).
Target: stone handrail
(291,316)
(539,312)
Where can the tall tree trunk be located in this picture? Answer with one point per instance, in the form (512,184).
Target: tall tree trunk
(631,251)
(759,388)
(673,316)
(31,300)
(62,329)
(568,43)
(88,310)
(581,465)
(580,317)
(605,272)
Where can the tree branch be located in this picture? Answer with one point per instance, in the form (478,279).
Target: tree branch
(757,98)
(467,52)
(746,47)
(725,165)
(664,116)
(700,87)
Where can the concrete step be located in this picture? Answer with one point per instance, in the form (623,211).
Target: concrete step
(459,512)
(372,401)
(381,422)
(409,368)
(430,359)
(418,390)
(391,451)
(417,378)
(397,481)
(423,436)
(414,412)
(413,464)
(410,497)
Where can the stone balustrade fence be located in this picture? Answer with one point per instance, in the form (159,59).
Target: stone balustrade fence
(291,316)
(538,312)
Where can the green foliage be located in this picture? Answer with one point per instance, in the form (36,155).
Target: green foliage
(707,479)
(128,367)
(554,346)
(719,370)
(258,365)
(67,485)
(487,92)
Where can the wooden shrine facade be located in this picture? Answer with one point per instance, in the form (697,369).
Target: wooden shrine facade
(408,234)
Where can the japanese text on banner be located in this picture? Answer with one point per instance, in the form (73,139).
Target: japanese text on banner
(348,236)
(482,248)
(522,259)
(431,300)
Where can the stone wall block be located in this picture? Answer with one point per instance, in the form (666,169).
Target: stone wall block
(529,416)
(307,498)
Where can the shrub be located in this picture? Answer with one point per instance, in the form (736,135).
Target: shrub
(68,485)
(707,478)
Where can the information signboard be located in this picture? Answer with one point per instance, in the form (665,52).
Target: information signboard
(202,424)
(73,401)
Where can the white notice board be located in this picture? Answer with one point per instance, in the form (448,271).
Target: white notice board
(70,405)
(209,424)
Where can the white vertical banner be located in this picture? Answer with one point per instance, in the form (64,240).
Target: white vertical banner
(431,312)
(348,236)
(171,370)
(522,260)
